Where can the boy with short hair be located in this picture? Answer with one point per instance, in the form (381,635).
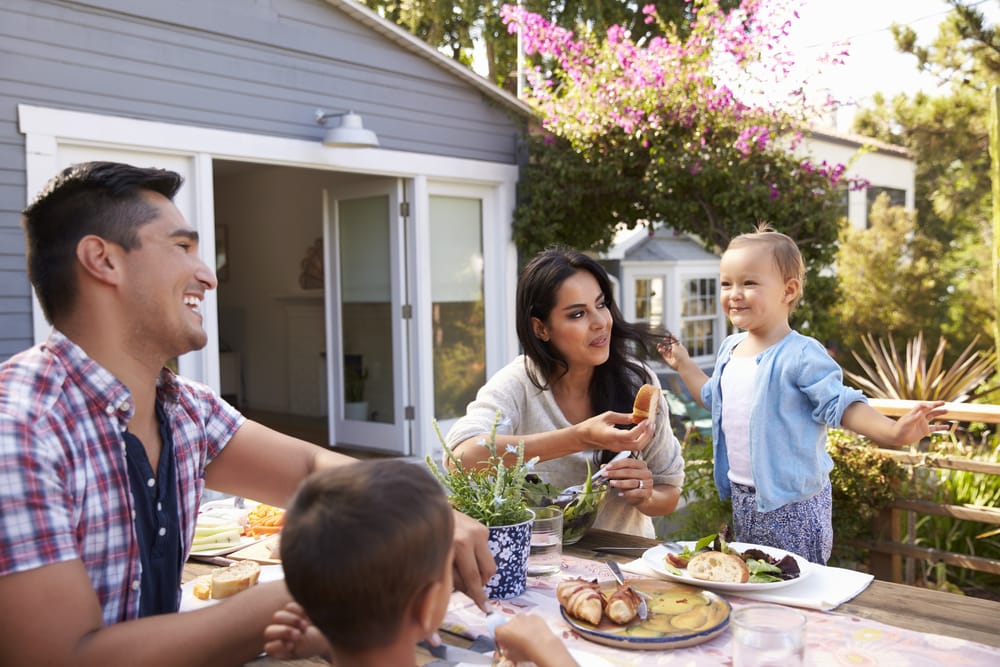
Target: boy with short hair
(372,568)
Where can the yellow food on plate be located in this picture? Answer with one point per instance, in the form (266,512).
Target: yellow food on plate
(265,519)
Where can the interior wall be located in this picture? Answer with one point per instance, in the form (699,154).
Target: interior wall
(272,216)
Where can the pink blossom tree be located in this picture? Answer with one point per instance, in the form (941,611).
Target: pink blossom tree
(697,131)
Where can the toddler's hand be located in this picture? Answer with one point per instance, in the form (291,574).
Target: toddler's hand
(672,351)
(291,635)
(527,638)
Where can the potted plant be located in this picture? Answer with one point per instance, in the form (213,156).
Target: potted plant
(355,405)
(493,494)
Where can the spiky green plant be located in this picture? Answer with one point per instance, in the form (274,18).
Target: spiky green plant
(911,377)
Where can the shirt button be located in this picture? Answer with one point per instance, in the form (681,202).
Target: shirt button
(163,531)
(159,507)
(133,515)
(123,406)
(150,482)
(110,410)
(135,585)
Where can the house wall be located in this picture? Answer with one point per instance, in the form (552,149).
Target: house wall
(881,168)
(259,67)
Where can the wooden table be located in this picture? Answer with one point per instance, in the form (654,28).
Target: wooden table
(909,607)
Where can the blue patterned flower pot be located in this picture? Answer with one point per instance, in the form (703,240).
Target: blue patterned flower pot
(510,546)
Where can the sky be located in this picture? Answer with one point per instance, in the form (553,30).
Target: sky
(874,63)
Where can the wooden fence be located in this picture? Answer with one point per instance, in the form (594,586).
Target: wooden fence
(888,551)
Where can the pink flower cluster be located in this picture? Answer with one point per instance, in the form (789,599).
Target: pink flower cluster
(682,87)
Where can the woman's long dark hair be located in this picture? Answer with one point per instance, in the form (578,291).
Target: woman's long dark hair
(615,382)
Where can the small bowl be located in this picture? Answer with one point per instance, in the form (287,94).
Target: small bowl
(579,510)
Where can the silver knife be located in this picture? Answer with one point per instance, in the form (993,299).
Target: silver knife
(454,654)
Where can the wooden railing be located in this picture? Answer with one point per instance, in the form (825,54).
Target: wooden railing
(888,551)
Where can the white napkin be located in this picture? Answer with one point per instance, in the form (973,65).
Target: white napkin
(825,588)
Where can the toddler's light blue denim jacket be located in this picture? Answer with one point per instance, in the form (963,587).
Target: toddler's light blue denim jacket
(798,390)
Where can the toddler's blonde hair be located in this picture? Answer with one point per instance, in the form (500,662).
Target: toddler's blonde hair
(784,252)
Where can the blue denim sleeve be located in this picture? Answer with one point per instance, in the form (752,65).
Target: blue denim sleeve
(821,380)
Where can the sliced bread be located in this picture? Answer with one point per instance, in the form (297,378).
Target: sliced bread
(235,578)
(717,566)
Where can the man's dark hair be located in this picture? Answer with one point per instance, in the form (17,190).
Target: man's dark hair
(100,198)
(360,542)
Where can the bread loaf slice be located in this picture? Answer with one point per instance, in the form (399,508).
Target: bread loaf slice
(717,566)
(237,577)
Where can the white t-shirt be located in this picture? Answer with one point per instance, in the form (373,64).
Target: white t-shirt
(737,397)
(527,410)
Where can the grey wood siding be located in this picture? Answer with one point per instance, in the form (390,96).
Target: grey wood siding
(256,66)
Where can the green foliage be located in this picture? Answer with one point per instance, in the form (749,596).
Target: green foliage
(895,280)
(492,493)
(459,356)
(947,135)
(863,483)
(911,377)
(704,510)
(959,487)
(457,26)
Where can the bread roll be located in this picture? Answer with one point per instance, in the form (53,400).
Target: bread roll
(233,579)
(647,400)
(717,566)
(581,599)
(622,605)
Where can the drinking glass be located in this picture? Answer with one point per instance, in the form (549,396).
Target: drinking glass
(768,636)
(546,541)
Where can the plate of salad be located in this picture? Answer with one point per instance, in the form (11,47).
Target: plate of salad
(769,567)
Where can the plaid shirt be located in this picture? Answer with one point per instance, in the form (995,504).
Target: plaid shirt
(64,491)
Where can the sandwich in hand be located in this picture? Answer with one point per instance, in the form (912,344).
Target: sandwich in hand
(647,400)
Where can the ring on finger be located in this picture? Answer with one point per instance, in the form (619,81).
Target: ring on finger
(640,483)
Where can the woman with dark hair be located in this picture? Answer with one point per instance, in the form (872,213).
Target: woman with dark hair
(570,394)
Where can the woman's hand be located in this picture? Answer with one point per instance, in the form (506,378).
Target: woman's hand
(632,479)
(600,433)
(291,635)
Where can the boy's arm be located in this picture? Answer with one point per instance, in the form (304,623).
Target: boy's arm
(676,356)
(911,427)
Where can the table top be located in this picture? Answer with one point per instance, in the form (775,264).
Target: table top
(908,607)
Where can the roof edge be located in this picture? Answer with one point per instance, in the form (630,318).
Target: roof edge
(366,16)
(858,140)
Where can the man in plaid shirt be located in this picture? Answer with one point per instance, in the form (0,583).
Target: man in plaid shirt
(104,453)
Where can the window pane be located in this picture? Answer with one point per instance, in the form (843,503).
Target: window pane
(698,311)
(459,341)
(649,301)
(366,309)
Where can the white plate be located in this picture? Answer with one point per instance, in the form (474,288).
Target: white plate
(189,601)
(224,509)
(654,559)
(230,548)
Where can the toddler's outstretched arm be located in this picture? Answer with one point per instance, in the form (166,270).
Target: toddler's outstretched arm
(676,356)
(911,427)
(527,638)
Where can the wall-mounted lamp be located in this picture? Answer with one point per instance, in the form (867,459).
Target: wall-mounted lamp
(349,133)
